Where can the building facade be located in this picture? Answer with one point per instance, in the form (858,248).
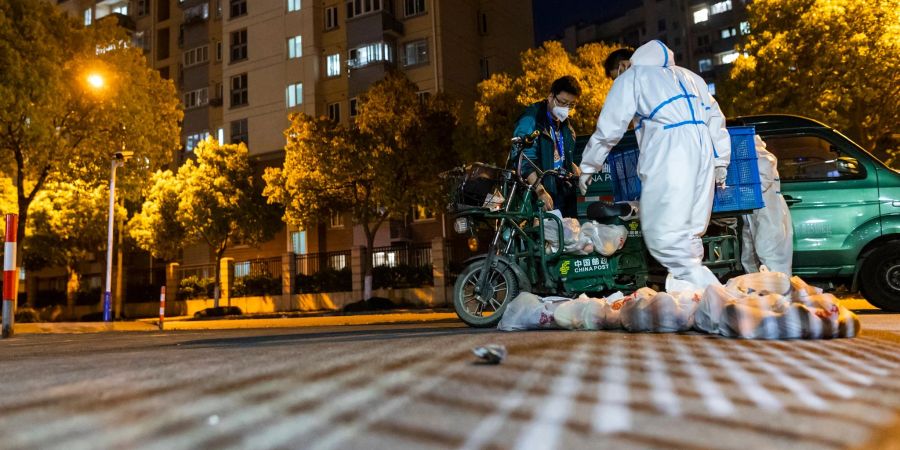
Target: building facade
(242,66)
(703,34)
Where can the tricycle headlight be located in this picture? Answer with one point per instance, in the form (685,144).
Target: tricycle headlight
(461,225)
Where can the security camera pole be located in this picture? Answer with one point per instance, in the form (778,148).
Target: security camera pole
(117,161)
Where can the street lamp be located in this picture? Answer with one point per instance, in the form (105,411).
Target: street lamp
(118,160)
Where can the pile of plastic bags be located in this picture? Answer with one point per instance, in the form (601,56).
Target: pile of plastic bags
(583,239)
(765,305)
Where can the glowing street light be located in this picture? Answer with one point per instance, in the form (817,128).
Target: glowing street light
(96,81)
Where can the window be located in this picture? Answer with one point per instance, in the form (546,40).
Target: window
(423,96)
(120,9)
(218,50)
(336,220)
(294,95)
(421,213)
(219,93)
(196,98)
(705,65)
(293,5)
(720,7)
(482,23)
(701,15)
(239,91)
(712,88)
(220,135)
(143,7)
(333,65)
(239,131)
(241,269)
(370,53)
(727,57)
(359,7)
(661,25)
(728,32)
(702,40)
(218,9)
(238,8)
(195,56)
(803,158)
(414,7)
(194,139)
(745,28)
(239,45)
(196,13)
(334,112)
(484,68)
(415,53)
(88,17)
(295,48)
(337,262)
(385,259)
(331,19)
(353,104)
(298,242)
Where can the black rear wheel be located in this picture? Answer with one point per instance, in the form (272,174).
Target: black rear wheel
(880,277)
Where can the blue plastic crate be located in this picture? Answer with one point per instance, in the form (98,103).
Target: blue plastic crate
(743,191)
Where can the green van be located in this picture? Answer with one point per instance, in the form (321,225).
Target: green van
(844,202)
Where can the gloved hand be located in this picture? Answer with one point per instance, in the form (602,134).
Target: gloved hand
(584,181)
(721,174)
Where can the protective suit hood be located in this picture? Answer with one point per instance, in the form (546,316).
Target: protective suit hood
(653,53)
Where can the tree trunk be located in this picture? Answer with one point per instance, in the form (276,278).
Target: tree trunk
(72,286)
(220,253)
(367,264)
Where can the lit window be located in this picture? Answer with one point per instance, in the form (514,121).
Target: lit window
(88,17)
(705,65)
(241,269)
(194,139)
(120,9)
(298,242)
(415,53)
(382,259)
(220,135)
(295,49)
(333,65)
(701,15)
(712,88)
(421,213)
(293,5)
(728,32)
(414,7)
(727,57)
(745,27)
(337,262)
(334,112)
(294,95)
(370,53)
(336,220)
(196,98)
(720,7)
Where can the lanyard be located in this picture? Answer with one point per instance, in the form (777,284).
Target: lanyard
(557,133)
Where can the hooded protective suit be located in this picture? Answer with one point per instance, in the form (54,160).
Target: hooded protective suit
(682,137)
(768,234)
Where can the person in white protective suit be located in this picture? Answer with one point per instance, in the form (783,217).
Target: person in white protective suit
(768,234)
(685,151)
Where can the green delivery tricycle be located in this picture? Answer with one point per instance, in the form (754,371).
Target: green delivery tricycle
(498,202)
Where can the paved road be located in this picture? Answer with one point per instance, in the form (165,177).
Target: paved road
(416,386)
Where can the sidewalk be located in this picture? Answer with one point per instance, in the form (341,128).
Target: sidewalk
(184,323)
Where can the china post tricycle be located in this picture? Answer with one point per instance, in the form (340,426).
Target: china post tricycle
(500,203)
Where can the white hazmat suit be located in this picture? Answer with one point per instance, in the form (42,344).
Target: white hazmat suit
(682,137)
(768,234)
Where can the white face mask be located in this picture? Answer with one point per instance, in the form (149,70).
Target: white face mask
(561,113)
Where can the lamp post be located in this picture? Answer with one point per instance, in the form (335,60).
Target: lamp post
(118,160)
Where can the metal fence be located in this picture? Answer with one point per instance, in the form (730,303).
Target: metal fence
(200,271)
(262,267)
(413,255)
(313,263)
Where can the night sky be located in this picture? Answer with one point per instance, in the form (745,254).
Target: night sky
(552,16)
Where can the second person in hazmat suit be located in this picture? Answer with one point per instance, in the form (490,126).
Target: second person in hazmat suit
(685,151)
(768,233)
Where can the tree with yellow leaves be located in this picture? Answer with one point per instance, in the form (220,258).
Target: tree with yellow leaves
(837,61)
(503,97)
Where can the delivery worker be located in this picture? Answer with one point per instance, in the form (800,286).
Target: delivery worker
(685,151)
(554,146)
(768,234)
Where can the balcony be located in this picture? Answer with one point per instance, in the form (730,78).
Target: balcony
(122,20)
(373,27)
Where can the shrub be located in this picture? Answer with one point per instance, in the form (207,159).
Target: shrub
(195,287)
(252,285)
(401,276)
(327,280)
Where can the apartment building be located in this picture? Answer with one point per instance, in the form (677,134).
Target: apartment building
(242,66)
(702,34)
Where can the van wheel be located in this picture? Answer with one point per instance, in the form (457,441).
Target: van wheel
(880,277)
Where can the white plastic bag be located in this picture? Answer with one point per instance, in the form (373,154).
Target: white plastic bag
(765,282)
(571,229)
(528,312)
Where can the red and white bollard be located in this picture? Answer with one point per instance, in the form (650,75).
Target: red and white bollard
(162,306)
(10,275)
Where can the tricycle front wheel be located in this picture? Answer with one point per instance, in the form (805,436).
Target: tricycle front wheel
(484,312)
